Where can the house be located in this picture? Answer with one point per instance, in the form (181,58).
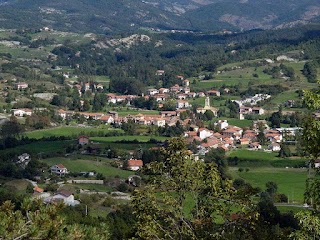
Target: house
(258,110)
(251,110)
(159,122)
(59,169)
(274,147)
(181,96)
(134,164)
(221,124)
(23,160)
(37,189)
(99,86)
(186,90)
(204,133)
(168,113)
(64,114)
(201,94)
(182,104)
(63,196)
(317,163)
(160,72)
(176,88)
(86,86)
(232,131)
(83,140)
(255,146)
(244,141)
(21,85)
(107,119)
(164,90)
(160,97)
(213,93)
(22,112)
(152,91)
(186,83)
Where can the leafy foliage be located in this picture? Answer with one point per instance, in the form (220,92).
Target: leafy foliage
(36,220)
(215,209)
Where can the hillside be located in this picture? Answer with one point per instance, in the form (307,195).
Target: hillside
(107,16)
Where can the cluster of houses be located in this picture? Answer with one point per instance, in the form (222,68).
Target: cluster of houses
(86,86)
(247,106)
(228,136)
(180,93)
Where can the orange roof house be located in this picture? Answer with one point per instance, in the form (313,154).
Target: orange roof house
(135,164)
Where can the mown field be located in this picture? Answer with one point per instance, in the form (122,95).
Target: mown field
(290,181)
(39,147)
(68,132)
(127,138)
(264,159)
(87,164)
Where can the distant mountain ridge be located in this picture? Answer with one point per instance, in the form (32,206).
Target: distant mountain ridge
(128,15)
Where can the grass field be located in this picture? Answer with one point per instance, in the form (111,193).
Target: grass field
(249,158)
(87,164)
(67,131)
(39,147)
(17,186)
(290,181)
(127,138)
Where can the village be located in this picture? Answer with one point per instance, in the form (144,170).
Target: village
(223,135)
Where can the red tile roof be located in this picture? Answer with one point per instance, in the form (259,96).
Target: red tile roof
(135,162)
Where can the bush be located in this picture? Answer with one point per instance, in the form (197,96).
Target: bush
(123,187)
(108,202)
(281,198)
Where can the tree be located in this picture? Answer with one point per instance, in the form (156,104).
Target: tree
(209,115)
(310,143)
(175,183)
(309,224)
(38,221)
(284,151)
(218,157)
(275,119)
(11,128)
(272,188)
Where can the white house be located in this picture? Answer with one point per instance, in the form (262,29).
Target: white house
(62,196)
(22,112)
(204,133)
(152,91)
(159,122)
(221,124)
(274,147)
(21,85)
(317,163)
(23,160)
(59,169)
(182,104)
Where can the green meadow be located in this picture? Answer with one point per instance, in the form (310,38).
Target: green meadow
(68,132)
(290,181)
(87,163)
(127,138)
(38,147)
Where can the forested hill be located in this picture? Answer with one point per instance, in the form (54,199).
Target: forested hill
(109,16)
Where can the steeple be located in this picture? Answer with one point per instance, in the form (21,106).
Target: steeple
(207,103)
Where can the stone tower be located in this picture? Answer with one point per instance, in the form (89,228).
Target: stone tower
(207,103)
